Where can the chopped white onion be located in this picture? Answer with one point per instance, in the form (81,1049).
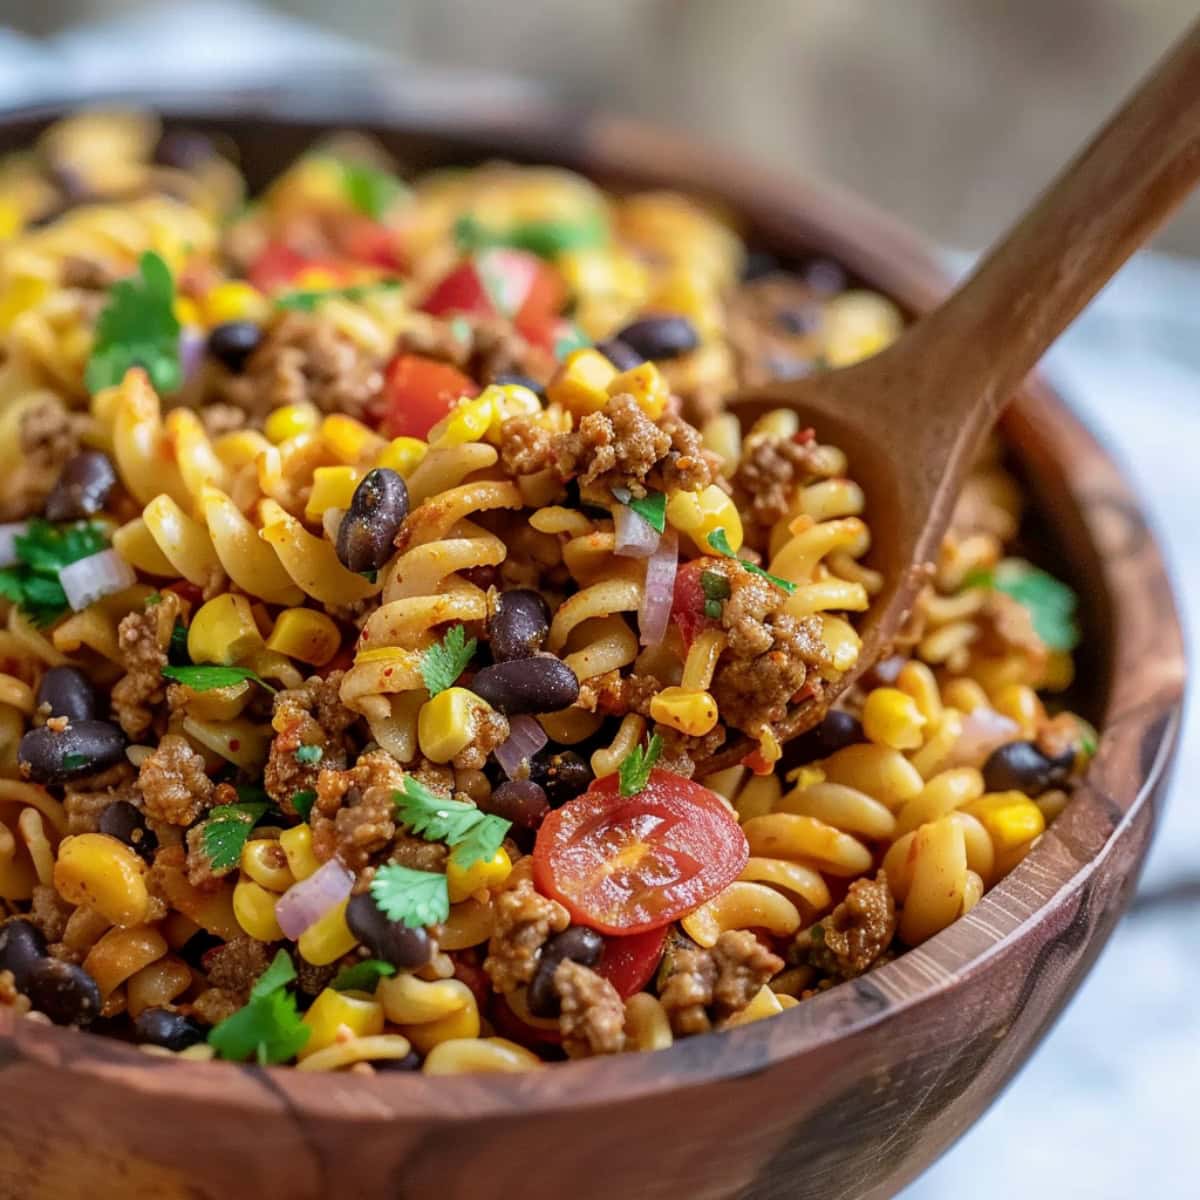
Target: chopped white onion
(525,738)
(8,542)
(634,536)
(92,578)
(306,902)
(659,592)
(983,730)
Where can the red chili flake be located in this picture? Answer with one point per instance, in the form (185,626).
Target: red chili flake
(804,436)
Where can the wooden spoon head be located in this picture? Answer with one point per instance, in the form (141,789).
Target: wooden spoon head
(861,409)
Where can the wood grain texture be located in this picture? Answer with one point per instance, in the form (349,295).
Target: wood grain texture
(846,1096)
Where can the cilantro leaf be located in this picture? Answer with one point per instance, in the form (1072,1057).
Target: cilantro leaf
(138,327)
(474,834)
(363,976)
(652,508)
(227,829)
(177,651)
(303,801)
(720,543)
(268,1028)
(307,299)
(43,550)
(570,337)
(370,190)
(414,898)
(446,660)
(547,239)
(636,766)
(205,677)
(1050,602)
(1088,738)
(309,755)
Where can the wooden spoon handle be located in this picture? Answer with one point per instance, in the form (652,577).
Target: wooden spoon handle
(1036,280)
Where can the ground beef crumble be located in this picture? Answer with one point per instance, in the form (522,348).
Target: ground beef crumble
(744,964)
(687,990)
(857,932)
(85,799)
(49,912)
(525,447)
(200,870)
(310,715)
(235,966)
(524,920)
(769,469)
(724,979)
(49,436)
(174,786)
(681,752)
(592,1020)
(143,638)
(488,731)
(617,447)
(688,466)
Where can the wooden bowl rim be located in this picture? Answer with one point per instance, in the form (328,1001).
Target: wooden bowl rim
(1141,719)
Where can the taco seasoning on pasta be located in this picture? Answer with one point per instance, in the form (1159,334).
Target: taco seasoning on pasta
(380,571)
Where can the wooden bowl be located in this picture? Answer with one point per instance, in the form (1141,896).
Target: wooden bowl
(850,1094)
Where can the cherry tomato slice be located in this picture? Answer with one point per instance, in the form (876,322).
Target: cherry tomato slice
(418,392)
(500,282)
(629,963)
(687,605)
(462,291)
(625,865)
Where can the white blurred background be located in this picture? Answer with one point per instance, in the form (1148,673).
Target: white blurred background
(952,114)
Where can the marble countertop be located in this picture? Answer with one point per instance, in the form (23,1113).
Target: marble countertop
(1107,1109)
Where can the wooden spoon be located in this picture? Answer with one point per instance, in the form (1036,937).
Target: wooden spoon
(913,418)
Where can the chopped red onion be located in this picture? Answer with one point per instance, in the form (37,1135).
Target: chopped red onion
(659,592)
(8,542)
(192,344)
(635,536)
(94,577)
(306,902)
(984,730)
(525,738)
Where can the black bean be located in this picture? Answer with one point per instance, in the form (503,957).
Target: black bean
(661,337)
(838,730)
(69,693)
(125,822)
(519,625)
(1022,767)
(184,149)
(389,940)
(83,748)
(83,487)
(510,377)
(759,263)
(377,510)
(561,776)
(579,944)
(67,994)
(410,1062)
(622,355)
(163,1027)
(232,343)
(824,276)
(540,684)
(22,947)
(520,801)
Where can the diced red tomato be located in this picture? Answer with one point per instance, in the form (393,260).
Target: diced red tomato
(624,865)
(370,243)
(687,605)
(276,267)
(500,282)
(419,392)
(629,963)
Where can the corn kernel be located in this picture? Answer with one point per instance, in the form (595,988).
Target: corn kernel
(100,872)
(581,384)
(1011,818)
(290,421)
(186,310)
(234,300)
(306,634)
(12,219)
(402,455)
(327,938)
(486,873)
(350,440)
(332,487)
(265,862)
(316,279)
(254,908)
(1020,703)
(646,384)
(693,713)
(858,324)
(297,845)
(891,717)
(223,631)
(509,400)
(331,1012)
(446,724)
(19,295)
(699,514)
(468,421)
